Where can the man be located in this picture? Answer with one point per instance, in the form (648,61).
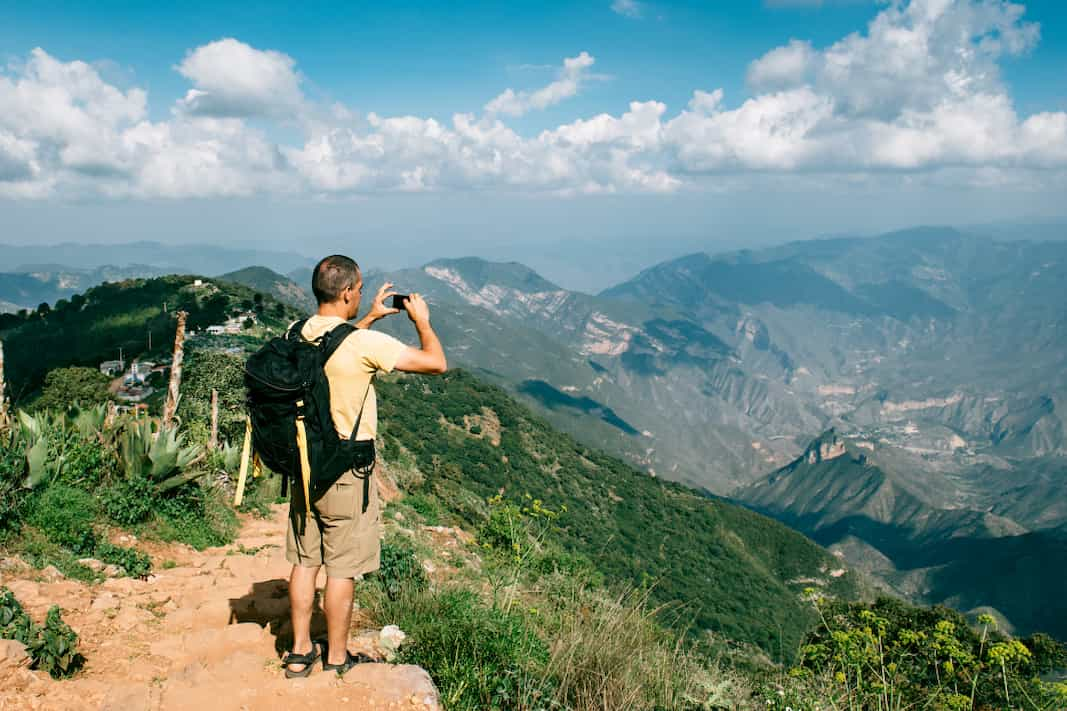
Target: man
(342,533)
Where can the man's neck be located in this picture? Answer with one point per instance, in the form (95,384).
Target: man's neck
(332,311)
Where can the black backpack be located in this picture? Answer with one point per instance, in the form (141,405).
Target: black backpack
(288,399)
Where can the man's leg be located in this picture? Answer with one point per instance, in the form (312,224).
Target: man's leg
(301,603)
(338,604)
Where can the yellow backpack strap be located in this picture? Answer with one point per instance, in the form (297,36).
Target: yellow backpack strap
(242,475)
(305,462)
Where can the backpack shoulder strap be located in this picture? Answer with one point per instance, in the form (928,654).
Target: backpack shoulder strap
(293,332)
(333,339)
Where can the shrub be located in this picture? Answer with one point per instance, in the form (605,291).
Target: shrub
(52,648)
(889,650)
(400,569)
(479,656)
(65,515)
(14,622)
(197,516)
(130,501)
(63,386)
(135,563)
(12,495)
(88,460)
(425,506)
(56,649)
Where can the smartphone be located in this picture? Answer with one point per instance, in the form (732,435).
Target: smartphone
(398,300)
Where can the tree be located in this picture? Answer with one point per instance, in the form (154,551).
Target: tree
(64,386)
(214,370)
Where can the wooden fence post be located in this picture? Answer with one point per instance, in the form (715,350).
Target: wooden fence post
(213,442)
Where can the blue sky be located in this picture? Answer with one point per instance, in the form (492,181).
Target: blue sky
(812,152)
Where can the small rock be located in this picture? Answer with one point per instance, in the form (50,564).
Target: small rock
(13,563)
(13,650)
(429,567)
(92,564)
(126,539)
(113,571)
(398,516)
(106,601)
(389,641)
(51,573)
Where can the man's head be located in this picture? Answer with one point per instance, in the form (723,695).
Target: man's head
(338,284)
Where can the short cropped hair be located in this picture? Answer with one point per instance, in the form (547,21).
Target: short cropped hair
(332,276)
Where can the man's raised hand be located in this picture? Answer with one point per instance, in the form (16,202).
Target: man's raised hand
(378,308)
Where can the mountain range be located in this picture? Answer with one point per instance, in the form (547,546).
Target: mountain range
(932,357)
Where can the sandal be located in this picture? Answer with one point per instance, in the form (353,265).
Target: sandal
(308,660)
(350,661)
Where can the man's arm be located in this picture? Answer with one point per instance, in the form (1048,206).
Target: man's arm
(429,358)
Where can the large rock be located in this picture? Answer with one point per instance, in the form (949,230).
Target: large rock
(401,685)
(13,651)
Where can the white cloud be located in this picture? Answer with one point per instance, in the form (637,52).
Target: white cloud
(232,79)
(571,76)
(628,8)
(917,96)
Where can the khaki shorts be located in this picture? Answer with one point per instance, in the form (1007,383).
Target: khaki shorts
(339,534)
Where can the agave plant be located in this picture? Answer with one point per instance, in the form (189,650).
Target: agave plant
(89,421)
(231,457)
(158,454)
(38,434)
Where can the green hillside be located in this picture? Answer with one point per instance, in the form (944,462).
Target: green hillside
(270,282)
(737,572)
(90,328)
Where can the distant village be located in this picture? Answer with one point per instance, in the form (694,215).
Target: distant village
(134,387)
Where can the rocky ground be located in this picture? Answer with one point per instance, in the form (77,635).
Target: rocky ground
(205,634)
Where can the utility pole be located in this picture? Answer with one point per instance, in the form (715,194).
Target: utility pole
(173,389)
(150,340)
(122,363)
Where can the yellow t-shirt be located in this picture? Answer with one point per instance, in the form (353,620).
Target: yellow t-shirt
(350,370)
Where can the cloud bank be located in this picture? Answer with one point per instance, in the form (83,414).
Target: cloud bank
(918,93)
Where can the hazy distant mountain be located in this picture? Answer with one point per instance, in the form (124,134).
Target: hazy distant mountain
(204,259)
(47,283)
(846,494)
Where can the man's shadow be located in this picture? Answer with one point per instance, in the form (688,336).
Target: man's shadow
(268,606)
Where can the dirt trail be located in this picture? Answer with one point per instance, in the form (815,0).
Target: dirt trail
(204,635)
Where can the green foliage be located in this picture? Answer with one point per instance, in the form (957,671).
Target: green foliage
(64,386)
(426,506)
(52,648)
(400,571)
(14,622)
(480,657)
(12,495)
(196,516)
(56,649)
(130,501)
(66,515)
(204,371)
(37,550)
(133,562)
(893,655)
